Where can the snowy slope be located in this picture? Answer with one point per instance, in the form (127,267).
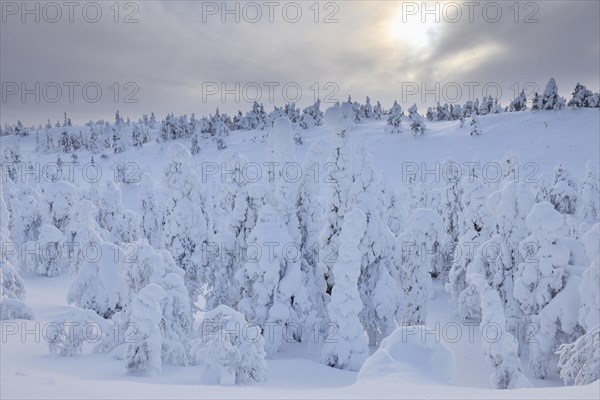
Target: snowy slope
(542,139)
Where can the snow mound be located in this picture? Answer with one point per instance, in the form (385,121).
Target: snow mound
(411,353)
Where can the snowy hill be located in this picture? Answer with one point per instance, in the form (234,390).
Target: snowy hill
(213,197)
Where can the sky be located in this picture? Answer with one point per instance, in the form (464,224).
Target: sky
(89,59)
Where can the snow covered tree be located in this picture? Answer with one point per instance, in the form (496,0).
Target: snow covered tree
(99,286)
(475,129)
(543,186)
(312,116)
(269,279)
(176,322)
(588,205)
(394,210)
(349,349)
(551,100)
(231,347)
(583,97)
(195,149)
(501,351)
(417,124)
(589,290)
(47,256)
(168,129)
(308,206)
(25,215)
(60,198)
(12,287)
(339,184)
(476,226)
(122,224)
(486,106)
(579,361)
(309,211)
(367,109)
(519,103)
(394,121)
(149,265)
(564,194)
(144,352)
(350,112)
(378,110)
(184,221)
(150,227)
(140,135)
(11,307)
(69,331)
(379,276)
(416,254)
(219,128)
(281,154)
(83,235)
(450,210)
(545,286)
(228,219)
(511,213)
(256,118)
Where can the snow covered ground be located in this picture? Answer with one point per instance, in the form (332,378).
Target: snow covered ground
(542,140)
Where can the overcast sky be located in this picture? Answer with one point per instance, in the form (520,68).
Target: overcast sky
(180,55)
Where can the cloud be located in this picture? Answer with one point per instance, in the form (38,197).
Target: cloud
(176,47)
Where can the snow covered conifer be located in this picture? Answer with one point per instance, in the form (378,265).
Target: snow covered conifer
(99,286)
(551,100)
(451,208)
(230,347)
(122,224)
(282,154)
(184,222)
(144,353)
(70,330)
(60,198)
(176,322)
(579,361)
(546,285)
(379,276)
(378,110)
(339,186)
(149,266)
(151,227)
(519,103)
(417,124)
(564,195)
(583,97)
(476,226)
(501,351)
(416,254)
(394,121)
(589,290)
(309,209)
(350,348)
(269,279)
(12,286)
(588,206)
(367,109)
(48,258)
(312,116)
(310,221)
(475,130)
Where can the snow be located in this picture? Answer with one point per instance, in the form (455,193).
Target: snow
(410,353)
(543,138)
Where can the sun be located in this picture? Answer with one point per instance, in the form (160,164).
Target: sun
(411,31)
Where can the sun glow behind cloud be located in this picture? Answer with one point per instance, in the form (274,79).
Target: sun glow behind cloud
(411,32)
